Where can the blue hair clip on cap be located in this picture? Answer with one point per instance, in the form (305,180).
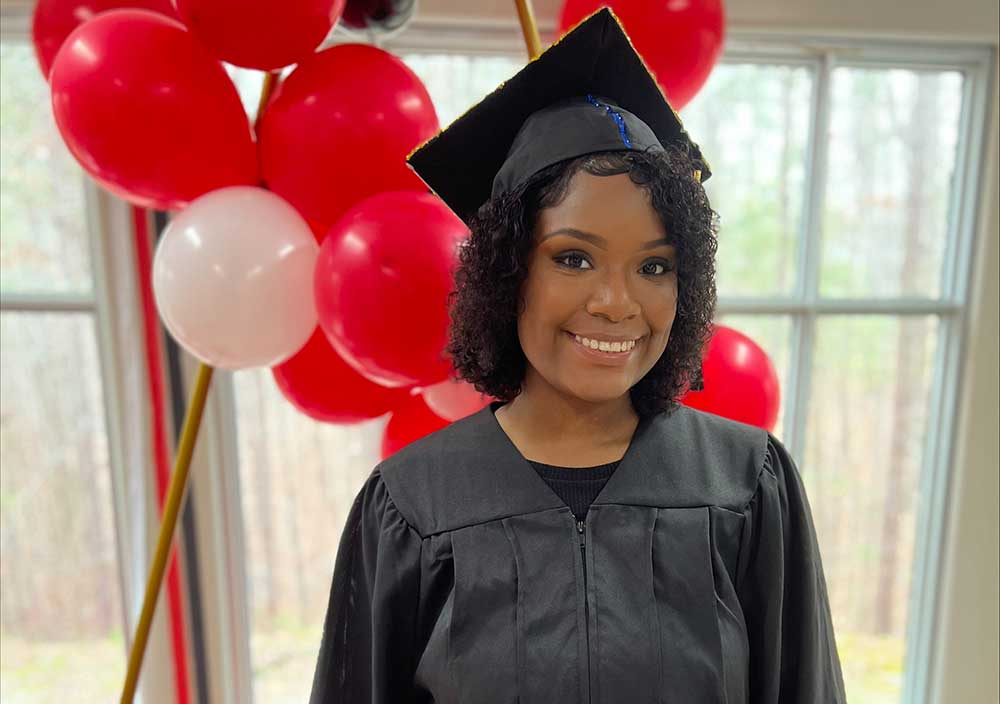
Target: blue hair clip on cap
(615,115)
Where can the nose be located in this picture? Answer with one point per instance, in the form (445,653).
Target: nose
(613,298)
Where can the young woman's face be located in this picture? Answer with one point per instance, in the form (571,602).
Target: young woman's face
(601,268)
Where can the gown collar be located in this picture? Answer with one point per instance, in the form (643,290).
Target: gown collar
(525,478)
(470,472)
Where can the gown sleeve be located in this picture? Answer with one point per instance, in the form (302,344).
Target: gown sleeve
(782,590)
(367,652)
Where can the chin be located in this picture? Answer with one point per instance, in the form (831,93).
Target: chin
(598,393)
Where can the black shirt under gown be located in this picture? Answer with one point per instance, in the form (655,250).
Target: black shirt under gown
(695,578)
(576,486)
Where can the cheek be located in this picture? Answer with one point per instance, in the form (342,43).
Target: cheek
(662,310)
(548,302)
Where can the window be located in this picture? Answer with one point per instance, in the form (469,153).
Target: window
(837,187)
(62,621)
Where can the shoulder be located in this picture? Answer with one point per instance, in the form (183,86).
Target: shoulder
(443,478)
(690,457)
(715,437)
(427,455)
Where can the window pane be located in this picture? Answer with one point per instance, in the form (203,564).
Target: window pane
(62,610)
(249,85)
(893,137)
(864,449)
(298,478)
(456,83)
(751,122)
(772,333)
(43,224)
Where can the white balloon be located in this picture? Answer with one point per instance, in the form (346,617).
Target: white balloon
(453,399)
(233,278)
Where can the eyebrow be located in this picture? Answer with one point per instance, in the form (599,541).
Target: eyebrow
(599,241)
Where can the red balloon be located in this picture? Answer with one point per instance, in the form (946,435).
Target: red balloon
(680,41)
(319,230)
(339,128)
(740,381)
(411,421)
(148,112)
(320,384)
(382,281)
(260,34)
(453,399)
(53,20)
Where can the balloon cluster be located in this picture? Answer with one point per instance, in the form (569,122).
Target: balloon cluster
(302,243)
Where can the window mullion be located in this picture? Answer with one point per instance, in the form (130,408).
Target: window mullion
(807,279)
(965,196)
(47,303)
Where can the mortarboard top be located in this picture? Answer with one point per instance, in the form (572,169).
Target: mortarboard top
(588,92)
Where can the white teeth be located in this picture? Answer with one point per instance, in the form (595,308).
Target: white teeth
(606,346)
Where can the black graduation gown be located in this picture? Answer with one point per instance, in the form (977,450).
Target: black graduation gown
(462,577)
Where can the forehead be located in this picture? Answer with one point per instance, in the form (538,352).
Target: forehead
(611,206)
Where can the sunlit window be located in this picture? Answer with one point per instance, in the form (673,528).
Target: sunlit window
(62,618)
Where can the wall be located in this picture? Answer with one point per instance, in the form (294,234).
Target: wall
(964,20)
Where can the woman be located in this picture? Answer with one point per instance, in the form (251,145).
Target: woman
(584,538)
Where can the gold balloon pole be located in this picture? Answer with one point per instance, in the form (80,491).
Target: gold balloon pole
(175,492)
(175,495)
(529,29)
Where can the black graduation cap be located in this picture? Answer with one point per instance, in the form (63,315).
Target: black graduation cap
(588,92)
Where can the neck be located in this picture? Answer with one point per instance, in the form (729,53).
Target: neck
(551,424)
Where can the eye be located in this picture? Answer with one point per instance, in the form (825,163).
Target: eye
(572,256)
(666,266)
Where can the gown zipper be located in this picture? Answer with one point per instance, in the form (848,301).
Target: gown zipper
(580,527)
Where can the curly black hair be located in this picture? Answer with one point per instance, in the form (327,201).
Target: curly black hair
(486,302)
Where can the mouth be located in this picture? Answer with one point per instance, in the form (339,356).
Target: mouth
(602,356)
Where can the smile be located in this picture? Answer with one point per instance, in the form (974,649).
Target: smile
(606,356)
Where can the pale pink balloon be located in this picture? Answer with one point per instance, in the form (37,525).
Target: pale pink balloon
(453,399)
(233,276)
